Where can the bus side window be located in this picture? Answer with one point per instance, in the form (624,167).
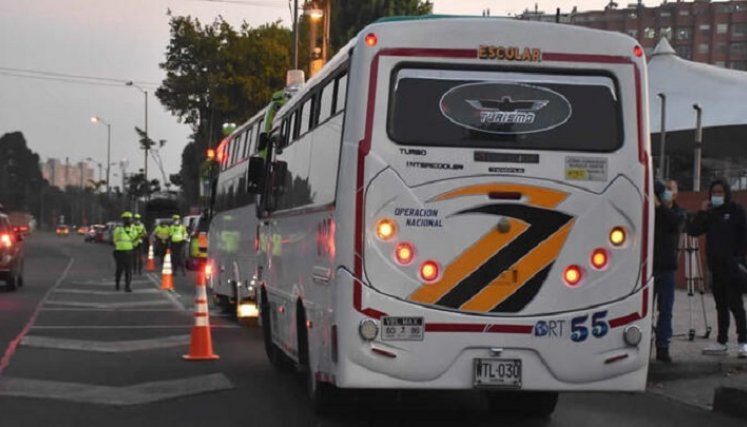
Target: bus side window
(325,101)
(341,87)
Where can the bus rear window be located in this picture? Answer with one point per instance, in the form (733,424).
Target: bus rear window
(515,110)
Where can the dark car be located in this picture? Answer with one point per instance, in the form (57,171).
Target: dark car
(11,254)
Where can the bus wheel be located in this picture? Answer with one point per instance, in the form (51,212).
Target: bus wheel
(323,395)
(537,404)
(277,358)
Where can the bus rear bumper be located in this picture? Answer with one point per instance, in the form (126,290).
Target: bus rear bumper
(554,351)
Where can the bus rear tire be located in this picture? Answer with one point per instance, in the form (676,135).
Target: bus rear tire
(322,395)
(535,404)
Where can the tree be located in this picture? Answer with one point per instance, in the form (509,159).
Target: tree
(349,17)
(216,74)
(19,167)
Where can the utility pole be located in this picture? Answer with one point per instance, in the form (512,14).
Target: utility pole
(663,135)
(295,34)
(698,147)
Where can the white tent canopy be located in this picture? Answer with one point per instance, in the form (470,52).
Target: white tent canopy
(721,93)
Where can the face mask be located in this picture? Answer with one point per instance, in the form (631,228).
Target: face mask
(717,201)
(666,196)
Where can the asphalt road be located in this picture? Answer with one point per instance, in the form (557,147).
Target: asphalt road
(76,353)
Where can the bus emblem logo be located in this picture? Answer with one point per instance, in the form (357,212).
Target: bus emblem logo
(505,108)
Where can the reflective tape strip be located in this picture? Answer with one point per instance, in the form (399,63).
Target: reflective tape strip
(202,321)
(202,308)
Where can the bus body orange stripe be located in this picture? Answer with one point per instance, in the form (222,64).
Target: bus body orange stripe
(537,196)
(537,259)
(469,261)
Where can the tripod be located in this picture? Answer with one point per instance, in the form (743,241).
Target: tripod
(690,248)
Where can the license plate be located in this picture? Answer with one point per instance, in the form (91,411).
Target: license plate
(402,329)
(505,373)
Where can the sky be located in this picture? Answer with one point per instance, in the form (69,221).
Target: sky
(122,40)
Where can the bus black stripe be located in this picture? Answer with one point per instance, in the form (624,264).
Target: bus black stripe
(525,294)
(543,223)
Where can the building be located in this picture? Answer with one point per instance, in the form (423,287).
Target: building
(700,30)
(62,175)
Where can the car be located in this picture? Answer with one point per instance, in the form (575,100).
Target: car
(108,234)
(11,254)
(95,233)
(83,230)
(21,221)
(62,230)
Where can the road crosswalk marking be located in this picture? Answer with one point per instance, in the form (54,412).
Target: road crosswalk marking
(104,346)
(105,293)
(137,394)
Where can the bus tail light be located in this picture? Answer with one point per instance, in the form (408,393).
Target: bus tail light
(572,275)
(429,271)
(599,258)
(404,252)
(618,236)
(386,229)
(208,269)
(6,241)
(371,40)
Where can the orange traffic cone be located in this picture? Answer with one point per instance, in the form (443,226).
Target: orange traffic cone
(201,344)
(167,278)
(151,264)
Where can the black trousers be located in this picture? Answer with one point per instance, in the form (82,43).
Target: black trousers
(177,256)
(728,299)
(137,259)
(123,260)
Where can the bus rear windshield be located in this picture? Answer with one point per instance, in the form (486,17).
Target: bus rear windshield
(515,110)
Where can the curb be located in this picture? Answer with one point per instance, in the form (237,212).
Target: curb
(659,372)
(730,401)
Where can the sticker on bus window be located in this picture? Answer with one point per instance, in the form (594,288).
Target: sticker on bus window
(585,169)
(505,108)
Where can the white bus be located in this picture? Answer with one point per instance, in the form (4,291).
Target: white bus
(463,203)
(231,236)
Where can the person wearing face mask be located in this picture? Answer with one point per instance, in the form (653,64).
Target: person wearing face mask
(667,226)
(724,223)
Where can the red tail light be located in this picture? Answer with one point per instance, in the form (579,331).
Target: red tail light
(572,275)
(404,252)
(599,258)
(6,241)
(208,269)
(429,271)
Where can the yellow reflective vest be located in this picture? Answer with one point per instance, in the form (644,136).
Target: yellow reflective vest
(163,232)
(178,233)
(124,238)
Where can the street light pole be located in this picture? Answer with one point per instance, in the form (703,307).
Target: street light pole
(97,119)
(295,34)
(145,161)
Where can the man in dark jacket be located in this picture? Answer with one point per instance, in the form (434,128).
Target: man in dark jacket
(725,225)
(667,227)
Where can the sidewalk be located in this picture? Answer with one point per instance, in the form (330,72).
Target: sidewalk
(693,377)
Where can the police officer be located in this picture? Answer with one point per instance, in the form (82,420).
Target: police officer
(138,230)
(178,237)
(163,236)
(124,239)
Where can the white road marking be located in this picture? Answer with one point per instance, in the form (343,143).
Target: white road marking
(105,346)
(106,293)
(108,305)
(108,282)
(5,361)
(138,394)
(173,296)
(94,327)
(163,310)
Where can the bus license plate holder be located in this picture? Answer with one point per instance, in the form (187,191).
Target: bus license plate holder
(402,328)
(497,373)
